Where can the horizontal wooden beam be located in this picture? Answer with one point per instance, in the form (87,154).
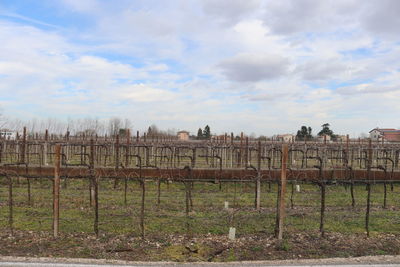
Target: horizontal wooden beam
(311,175)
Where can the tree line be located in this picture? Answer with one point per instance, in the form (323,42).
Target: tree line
(204,134)
(305,133)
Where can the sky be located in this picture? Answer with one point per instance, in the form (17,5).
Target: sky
(259,66)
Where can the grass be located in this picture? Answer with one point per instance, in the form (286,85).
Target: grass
(208,215)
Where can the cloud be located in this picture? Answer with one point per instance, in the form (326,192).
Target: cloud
(145,93)
(379,17)
(322,70)
(263,97)
(229,12)
(362,89)
(253,68)
(382,18)
(185,64)
(292,16)
(82,6)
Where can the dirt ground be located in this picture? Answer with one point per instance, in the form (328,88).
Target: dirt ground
(209,247)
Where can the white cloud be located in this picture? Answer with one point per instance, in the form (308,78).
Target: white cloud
(229,12)
(240,65)
(382,18)
(143,93)
(323,70)
(82,6)
(367,89)
(253,67)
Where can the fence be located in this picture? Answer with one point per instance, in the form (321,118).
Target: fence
(121,164)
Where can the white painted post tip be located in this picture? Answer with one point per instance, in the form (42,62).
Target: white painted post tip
(232,233)
(297,188)
(226,204)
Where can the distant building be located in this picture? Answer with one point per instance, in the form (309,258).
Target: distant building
(341,138)
(221,138)
(385,134)
(287,138)
(322,138)
(183,135)
(8,135)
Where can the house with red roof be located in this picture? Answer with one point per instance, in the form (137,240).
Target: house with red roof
(385,134)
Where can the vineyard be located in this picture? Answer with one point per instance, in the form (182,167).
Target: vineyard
(155,188)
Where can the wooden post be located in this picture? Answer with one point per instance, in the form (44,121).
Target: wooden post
(281,194)
(247,152)
(56,190)
(143,187)
(95,189)
(322,218)
(187,207)
(258,183)
(128,142)
(127,150)
(28,183)
(116,148)
(241,150)
(23,147)
(10,204)
(158,192)
(128,136)
(368,187)
(117,152)
(46,138)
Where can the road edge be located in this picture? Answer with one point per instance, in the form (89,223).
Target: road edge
(388,259)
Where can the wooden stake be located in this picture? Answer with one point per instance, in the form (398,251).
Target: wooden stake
(56,190)
(368,187)
(95,189)
(258,183)
(143,187)
(281,194)
(322,218)
(10,205)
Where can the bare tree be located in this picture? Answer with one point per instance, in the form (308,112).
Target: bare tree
(153,130)
(3,121)
(114,124)
(171,132)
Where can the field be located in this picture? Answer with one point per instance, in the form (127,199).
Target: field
(138,200)
(171,233)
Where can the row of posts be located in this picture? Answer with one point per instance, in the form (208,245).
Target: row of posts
(94,185)
(280,199)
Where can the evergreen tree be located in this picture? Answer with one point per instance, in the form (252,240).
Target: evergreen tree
(199,134)
(207,132)
(304,133)
(325,130)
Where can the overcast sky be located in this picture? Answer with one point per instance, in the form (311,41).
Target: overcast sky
(257,66)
